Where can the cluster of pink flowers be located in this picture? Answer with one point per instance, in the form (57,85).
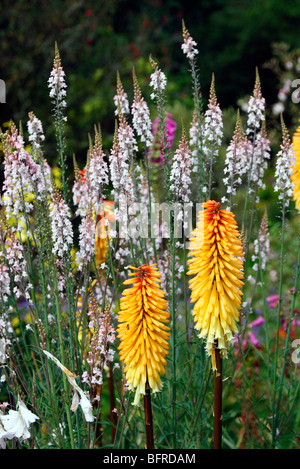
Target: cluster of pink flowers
(90,183)
(250,336)
(156,151)
(23,176)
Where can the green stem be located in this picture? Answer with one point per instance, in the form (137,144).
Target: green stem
(62,354)
(278,325)
(286,349)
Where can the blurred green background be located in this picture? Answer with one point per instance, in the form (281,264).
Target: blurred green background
(96,39)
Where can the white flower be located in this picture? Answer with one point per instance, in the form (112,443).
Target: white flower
(180,179)
(284,168)
(120,99)
(87,232)
(195,141)
(56,82)
(17,422)
(4,435)
(35,129)
(2,350)
(256,108)
(61,226)
(84,402)
(261,155)
(278,108)
(158,81)
(237,159)
(141,115)
(189,45)
(262,246)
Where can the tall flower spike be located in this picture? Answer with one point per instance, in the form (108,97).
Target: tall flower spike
(35,130)
(97,171)
(180,180)
(213,131)
(119,169)
(158,80)
(262,245)
(189,45)
(56,82)
(237,160)
(121,99)
(142,330)
(61,225)
(256,107)
(141,115)
(216,251)
(284,168)
(261,155)
(296,170)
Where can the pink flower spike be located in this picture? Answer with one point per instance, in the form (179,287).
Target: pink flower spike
(253,339)
(257,322)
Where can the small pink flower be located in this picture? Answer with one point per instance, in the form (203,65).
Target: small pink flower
(253,339)
(257,322)
(272,300)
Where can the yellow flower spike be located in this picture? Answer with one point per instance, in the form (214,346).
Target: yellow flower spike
(296,170)
(142,331)
(217,263)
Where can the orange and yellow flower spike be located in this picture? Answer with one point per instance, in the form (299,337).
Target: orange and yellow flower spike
(296,170)
(217,263)
(142,330)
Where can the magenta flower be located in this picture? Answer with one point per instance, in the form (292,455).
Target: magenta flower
(253,339)
(156,151)
(257,322)
(272,301)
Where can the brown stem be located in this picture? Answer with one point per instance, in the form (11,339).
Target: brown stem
(218,401)
(98,430)
(148,418)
